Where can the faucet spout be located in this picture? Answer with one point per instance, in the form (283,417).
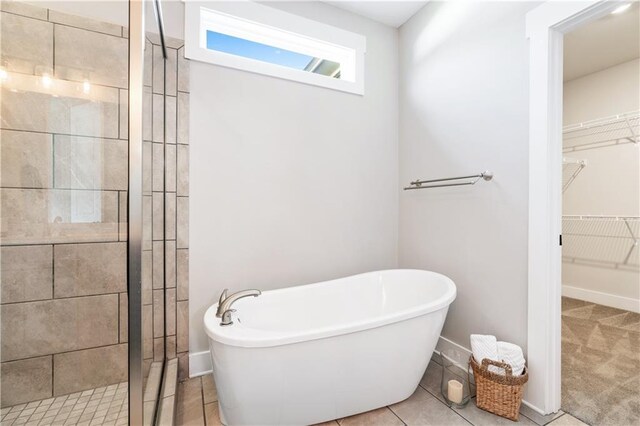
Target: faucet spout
(225,304)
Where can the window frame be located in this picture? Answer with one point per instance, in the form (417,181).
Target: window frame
(264,24)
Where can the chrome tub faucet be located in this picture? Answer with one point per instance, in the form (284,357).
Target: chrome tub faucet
(224,304)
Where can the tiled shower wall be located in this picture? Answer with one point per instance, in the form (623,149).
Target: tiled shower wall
(166,189)
(63,196)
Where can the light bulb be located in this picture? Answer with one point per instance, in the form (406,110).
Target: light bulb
(3,74)
(86,86)
(621,9)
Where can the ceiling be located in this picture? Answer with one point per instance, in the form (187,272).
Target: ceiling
(609,41)
(392,13)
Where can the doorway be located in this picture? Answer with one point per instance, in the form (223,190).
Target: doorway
(601,219)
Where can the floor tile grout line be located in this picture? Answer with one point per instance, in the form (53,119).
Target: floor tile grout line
(395,414)
(443,403)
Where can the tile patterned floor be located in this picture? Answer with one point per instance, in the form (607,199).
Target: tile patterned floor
(102,406)
(197,406)
(600,363)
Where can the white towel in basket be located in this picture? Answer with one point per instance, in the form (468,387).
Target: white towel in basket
(485,346)
(512,355)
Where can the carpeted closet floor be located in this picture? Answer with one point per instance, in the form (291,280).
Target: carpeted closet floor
(600,363)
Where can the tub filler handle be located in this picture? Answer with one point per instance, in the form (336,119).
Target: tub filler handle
(226,317)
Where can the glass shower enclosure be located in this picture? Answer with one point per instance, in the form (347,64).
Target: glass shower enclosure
(87,215)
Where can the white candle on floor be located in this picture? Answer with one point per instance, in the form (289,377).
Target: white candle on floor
(454,391)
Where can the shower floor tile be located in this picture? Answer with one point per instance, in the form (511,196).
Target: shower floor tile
(107,405)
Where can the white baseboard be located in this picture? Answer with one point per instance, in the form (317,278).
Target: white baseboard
(200,364)
(606,299)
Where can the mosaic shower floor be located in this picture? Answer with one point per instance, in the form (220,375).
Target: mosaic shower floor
(107,405)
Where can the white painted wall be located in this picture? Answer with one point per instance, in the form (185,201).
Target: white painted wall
(610,184)
(290,183)
(464,109)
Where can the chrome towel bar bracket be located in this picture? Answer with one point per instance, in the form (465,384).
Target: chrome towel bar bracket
(424,184)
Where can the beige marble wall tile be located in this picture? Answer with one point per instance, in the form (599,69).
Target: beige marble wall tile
(182,273)
(27,273)
(147,114)
(171,168)
(183,366)
(158,349)
(170,262)
(157,118)
(26,43)
(124,114)
(171,118)
(158,265)
(182,324)
(170,312)
(90,163)
(84,23)
(147,221)
(183,170)
(158,69)
(24,9)
(172,72)
(37,110)
(153,383)
(38,328)
(76,371)
(147,331)
(35,216)
(147,277)
(183,71)
(158,313)
(26,159)
(171,378)
(158,216)
(148,63)
(158,167)
(183,118)
(171,346)
(26,380)
(170,200)
(147,172)
(88,269)
(183,222)
(166,414)
(124,317)
(122,216)
(77,58)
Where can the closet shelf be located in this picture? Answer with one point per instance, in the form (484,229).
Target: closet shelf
(616,130)
(570,170)
(605,241)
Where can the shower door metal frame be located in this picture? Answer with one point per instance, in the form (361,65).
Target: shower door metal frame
(134,208)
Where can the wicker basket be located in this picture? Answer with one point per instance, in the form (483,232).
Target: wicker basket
(496,393)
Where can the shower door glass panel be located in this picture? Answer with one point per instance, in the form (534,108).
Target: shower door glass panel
(63,229)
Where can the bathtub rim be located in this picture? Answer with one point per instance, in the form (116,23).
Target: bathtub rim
(246,338)
(249,338)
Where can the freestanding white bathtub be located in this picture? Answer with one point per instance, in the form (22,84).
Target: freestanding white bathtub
(308,354)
